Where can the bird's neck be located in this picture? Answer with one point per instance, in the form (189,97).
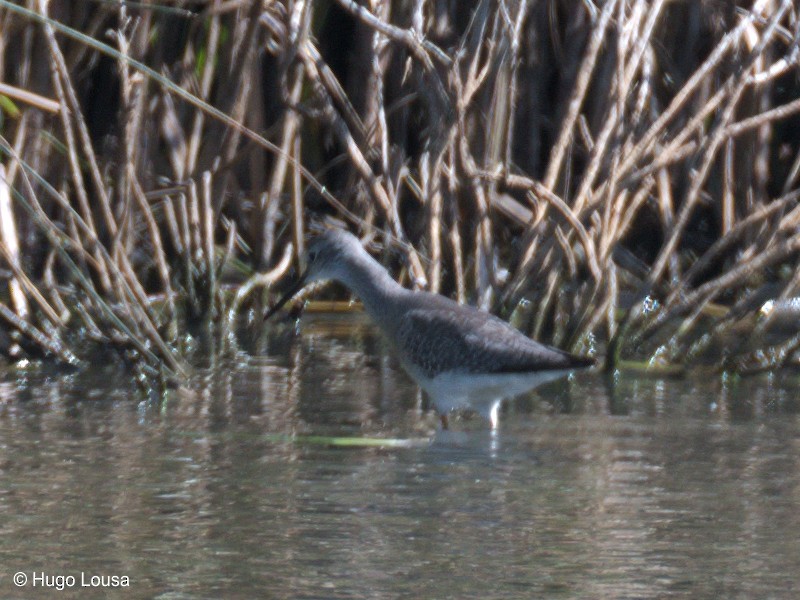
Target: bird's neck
(373,285)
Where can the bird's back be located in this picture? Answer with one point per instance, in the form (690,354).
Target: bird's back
(435,335)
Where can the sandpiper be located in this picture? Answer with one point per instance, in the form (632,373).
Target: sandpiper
(460,356)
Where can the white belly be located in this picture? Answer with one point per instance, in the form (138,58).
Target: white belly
(482,393)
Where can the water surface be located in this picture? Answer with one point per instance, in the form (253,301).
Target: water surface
(593,487)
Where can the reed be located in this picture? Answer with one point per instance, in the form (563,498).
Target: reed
(622,175)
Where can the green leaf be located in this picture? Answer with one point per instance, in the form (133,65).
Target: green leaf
(7,105)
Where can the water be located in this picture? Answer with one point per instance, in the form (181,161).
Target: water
(593,488)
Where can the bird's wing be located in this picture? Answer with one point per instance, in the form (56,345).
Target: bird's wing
(469,340)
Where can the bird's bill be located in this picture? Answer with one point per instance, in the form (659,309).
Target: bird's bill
(298,285)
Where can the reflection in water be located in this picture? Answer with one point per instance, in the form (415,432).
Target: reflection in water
(621,488)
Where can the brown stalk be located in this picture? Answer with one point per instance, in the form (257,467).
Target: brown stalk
(539,191)
(297,198)
(9,245)
(645,145)
(37,336)
(290,126)
(208,246)
(579,94)
(69,100)
(360,164)
(37,100)
(195,137)
(423,50)
(736,87)
(126,292)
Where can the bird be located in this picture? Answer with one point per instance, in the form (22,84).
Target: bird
(461,356)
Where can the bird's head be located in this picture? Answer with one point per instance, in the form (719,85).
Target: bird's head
(326,258)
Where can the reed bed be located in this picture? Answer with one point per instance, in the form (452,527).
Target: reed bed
(619,177)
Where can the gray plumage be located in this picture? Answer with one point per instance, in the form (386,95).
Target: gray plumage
(457,353)
(445,336)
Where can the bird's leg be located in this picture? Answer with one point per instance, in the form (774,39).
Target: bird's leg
(444,420)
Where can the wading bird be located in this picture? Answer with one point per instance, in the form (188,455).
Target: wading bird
(461,356)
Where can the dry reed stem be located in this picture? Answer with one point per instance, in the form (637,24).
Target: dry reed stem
(37,100)
(51,288)
(9,245)
(736,86)
(312,62)
(737,275)
(133,299)
(433,150)
(291,125)
(579,93)
(423,50)
(646,144)
(209,253)
(69,102)
(188,97)
(41,339)
(159,253)
(259,280)
(195,137)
